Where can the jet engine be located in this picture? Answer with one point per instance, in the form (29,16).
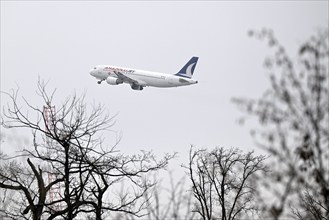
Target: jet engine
(136,87)
(113,81)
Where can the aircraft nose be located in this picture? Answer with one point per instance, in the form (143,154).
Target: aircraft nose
(92,72)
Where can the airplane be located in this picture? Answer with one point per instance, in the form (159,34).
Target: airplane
(138,79)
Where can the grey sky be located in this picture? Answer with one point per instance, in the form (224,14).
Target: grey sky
(62,41)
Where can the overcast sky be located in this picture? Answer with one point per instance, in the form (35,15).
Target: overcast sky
(62,41)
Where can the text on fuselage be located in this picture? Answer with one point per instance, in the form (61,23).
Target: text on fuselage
(108,68)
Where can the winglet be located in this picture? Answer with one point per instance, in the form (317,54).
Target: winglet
(188,69)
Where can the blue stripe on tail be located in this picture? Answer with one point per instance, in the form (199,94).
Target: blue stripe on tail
(188,69)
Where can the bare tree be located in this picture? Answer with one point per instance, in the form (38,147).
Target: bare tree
(222,182)
(294,116)
(173,202)
(70,149)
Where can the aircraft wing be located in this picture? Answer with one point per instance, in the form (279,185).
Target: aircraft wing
(126,78)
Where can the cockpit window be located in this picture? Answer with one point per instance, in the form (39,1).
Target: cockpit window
(95,68)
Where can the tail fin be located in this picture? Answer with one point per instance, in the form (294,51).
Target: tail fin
(188,69)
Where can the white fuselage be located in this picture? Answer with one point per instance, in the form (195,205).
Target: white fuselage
(144,78)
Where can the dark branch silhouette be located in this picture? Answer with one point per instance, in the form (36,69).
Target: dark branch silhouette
(70,149)
(294,114)
(222,182)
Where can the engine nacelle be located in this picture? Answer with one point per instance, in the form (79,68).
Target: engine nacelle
(113,81)
(136,87)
